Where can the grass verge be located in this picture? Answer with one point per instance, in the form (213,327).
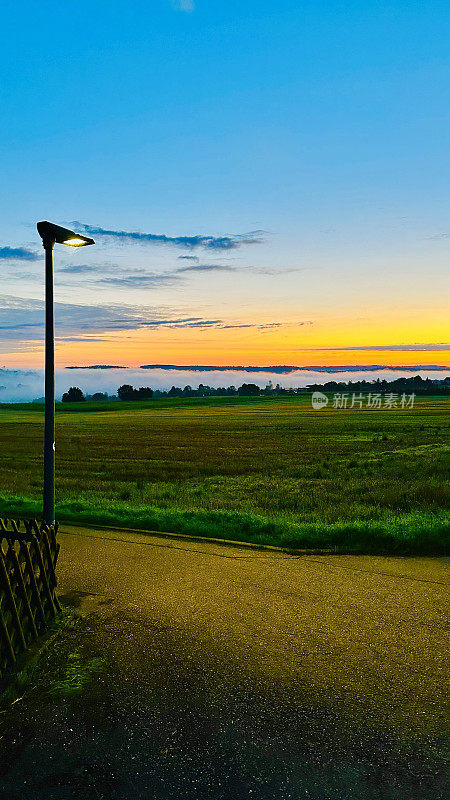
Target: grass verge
(67,677)
(413,533)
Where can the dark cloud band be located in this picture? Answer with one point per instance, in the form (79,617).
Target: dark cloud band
(392,347)
(229,242)
(23,320)
(18,254)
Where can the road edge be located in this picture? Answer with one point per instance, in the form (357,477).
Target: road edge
(187,537)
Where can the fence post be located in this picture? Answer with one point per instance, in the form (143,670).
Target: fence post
(27,585)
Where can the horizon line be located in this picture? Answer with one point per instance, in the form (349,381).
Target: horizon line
(273,368)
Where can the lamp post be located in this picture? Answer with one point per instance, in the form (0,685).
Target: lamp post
(50,235)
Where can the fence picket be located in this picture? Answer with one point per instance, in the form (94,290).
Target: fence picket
(27,585)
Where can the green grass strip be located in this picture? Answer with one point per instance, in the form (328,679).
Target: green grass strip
(413,533)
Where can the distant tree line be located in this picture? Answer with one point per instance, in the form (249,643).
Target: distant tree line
(73,395)
(416,385)
(126,392)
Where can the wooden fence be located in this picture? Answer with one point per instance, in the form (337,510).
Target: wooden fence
(28,603)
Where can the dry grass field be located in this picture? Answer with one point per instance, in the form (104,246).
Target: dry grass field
(259,469)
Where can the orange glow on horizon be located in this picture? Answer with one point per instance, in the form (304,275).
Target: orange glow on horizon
(289,343)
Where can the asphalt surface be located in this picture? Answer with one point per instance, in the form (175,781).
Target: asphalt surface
(235,673)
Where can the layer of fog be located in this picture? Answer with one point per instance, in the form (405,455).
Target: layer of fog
(27,385)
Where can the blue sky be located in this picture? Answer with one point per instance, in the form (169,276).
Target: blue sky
(316,132)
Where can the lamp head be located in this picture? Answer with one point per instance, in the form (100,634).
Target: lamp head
(51,233)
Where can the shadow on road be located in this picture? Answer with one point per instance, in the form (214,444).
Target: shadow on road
(173,718)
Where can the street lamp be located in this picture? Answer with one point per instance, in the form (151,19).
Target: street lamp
(50,235)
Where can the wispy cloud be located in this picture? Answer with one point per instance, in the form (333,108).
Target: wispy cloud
(22,321)
(228,242)
(117,275)
(270,271)
(138,280)
(18,254)
(207,268)
(266,271)
(243,325)
(81,269)
(392,347)
(82,338)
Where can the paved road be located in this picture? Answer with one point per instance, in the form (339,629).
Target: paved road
(236,673)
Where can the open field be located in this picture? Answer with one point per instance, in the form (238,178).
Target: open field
(268,470)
